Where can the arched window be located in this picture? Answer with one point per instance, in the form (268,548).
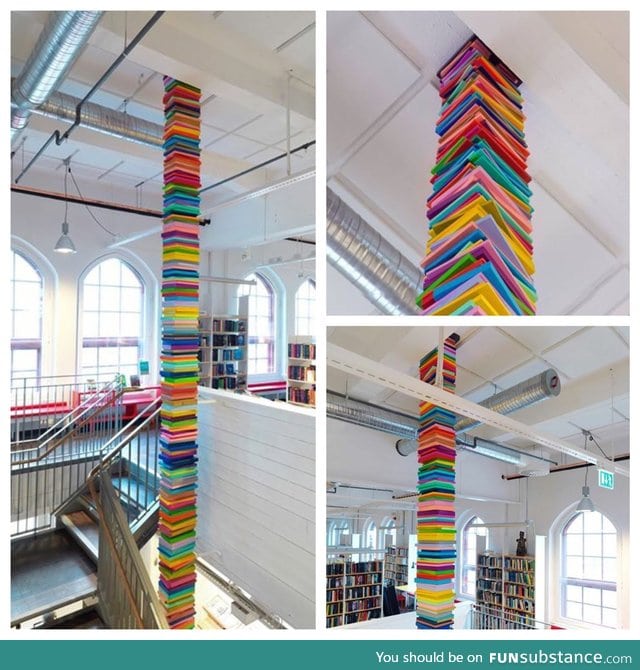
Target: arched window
(588,579)
(306,308)
(388,528)
(26,318)
(337,530)
(469,555)
(262,330)
(369,535)
(112,320)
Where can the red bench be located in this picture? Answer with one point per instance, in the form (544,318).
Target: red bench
(40,409)
(275,388)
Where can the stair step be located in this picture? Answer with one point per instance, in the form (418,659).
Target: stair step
(84,530)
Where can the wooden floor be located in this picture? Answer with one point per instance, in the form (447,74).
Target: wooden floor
(48,571)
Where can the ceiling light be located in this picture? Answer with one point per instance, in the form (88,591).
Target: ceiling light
(65,244)
(586,504)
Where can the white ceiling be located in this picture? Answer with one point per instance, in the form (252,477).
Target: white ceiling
(592,362)
(382,108)
(241,61)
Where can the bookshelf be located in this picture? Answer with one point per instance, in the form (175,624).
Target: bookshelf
(354,592)
(301,373)
(223,349)
(505,591)
(396,568)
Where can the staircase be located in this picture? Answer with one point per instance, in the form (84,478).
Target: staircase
(80,510)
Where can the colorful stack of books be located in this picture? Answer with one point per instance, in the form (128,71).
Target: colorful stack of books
(479,257)
(179,357)
(436,498)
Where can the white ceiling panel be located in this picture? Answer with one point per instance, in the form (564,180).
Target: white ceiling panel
(365,74)
(590,350)
(490,353)
(537,338)
(235,146)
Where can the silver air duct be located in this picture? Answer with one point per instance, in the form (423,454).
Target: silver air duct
(539,387)
(102,119)
(380,271)
(60,42)
(371,416)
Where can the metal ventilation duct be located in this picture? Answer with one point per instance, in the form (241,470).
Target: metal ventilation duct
(539,387)
(371,416)
(378,269)
(104,120)
(60,42)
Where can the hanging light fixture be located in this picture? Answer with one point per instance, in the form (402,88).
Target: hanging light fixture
(65,244)
(586,504)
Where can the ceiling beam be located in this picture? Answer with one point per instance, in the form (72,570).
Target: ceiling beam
(364,368)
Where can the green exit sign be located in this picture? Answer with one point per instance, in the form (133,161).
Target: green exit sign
(605,479)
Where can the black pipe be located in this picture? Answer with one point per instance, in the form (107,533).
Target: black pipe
(298,239)
(101,204)
(258,166)
(59,139)
(567,468)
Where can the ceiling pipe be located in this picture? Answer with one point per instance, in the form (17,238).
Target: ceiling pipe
(385,277)
(569,466)
(62,107)
(371,416)
(59,44)
(58,137)
(539,387)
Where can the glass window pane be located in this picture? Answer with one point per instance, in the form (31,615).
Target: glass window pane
(92,278)
(607,526)
(609,599)
(574,545)
(574,592)
(130,299)
(89,357)
(592,523)
(573,610)
(591,614)
(23,270)
(609,570)
(110,298)
(128,277)
(110,272)
(130,325)
(576,525)
(25,359)
(609,545)
(110,324)
(90,297)
(26,325)
(129,356)
(574,566)
(592,596)
(91,324)
(592,568)
(609,618)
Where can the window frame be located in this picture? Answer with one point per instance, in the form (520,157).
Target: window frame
(464,567)
(109,342)
(311,318)
(26,343)
(582,582)
(254,339)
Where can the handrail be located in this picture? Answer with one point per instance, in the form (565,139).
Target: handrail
(108,456)
(512,621)
(86,415)
(83,408)
(126,546)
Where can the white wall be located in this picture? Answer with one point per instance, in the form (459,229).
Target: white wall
(256,499)
(36,225)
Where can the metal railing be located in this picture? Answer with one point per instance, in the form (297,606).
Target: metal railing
(126,596)
(490,617)
(130,458)
(38,403)
(46,473)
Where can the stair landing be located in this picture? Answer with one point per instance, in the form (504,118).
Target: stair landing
(47,572)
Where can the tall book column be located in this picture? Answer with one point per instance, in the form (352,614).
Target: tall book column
(479,257)
(436,498)
(179,352)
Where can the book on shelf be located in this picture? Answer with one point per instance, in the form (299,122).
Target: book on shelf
(505,591)
(354,592)
(223,349)
(301,373)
